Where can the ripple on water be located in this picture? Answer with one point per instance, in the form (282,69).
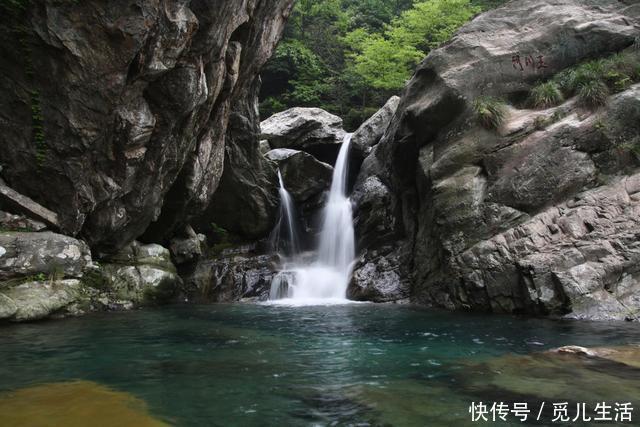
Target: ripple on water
(255,365)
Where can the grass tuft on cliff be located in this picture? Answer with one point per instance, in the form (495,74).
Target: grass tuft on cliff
(593,94)
(490,112)
(546,95)
(594,80)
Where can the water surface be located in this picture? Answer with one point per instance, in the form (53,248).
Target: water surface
(360,364)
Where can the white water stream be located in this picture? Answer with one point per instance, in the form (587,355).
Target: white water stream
(325,279)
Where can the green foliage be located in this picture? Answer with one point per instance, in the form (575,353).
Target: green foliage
(593,81)
(490,112)
(385,61)
(593,93)
(350,56)
(546,95)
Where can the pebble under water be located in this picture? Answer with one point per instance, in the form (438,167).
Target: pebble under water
(356,364)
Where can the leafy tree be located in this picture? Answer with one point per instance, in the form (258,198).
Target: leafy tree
(349,56)
(386,61)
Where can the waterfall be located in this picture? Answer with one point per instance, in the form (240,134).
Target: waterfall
(284,237)
(326,278)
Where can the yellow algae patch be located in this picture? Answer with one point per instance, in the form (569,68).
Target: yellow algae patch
(71,404)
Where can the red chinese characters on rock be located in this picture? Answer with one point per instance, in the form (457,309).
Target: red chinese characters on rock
(536,63)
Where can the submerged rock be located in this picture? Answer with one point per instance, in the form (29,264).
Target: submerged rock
(574,374)
(309,129)
(74,404)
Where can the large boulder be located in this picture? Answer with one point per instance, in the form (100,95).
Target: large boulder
(187,247)
(140,275)
(309,129)
(303,175)
(128,124)
(380,277)
(42,254)
(37,300)
(231,275)
(370,132)
(488,214)
(580,259)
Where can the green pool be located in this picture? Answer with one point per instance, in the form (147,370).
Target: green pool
(359,364)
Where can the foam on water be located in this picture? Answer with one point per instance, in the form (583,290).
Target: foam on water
(325,279)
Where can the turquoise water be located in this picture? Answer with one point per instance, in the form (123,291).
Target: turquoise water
(360,364)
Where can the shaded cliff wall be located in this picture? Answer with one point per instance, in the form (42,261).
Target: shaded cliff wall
(114,114)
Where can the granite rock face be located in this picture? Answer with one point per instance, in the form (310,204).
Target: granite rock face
(305,177)
(45,254)
(247,197)
(232,275)
(313,130)
(127,125)
(371,131)
(495,220)
(40,299)
(140,275)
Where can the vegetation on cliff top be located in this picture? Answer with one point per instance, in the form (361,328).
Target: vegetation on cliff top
(349,56)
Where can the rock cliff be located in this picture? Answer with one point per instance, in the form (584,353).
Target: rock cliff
(114,114)
(536,216)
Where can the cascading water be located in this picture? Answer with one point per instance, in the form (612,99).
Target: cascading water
(325,279)
(284,237)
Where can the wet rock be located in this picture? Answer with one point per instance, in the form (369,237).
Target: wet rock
(375,219)
(39,299)
(379,277)
(140,274)
(187,248)
(309,129)
(303,175)
(230,276)
(370,132)
(45,253)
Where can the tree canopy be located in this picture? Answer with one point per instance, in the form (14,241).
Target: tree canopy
(349,56)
